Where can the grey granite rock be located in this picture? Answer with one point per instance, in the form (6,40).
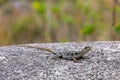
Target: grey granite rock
(23,63)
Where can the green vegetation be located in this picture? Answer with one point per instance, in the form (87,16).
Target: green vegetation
(117,28)
(39,7)
(2,1)
(61,20)
(87,29)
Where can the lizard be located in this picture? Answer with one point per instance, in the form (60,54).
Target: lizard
(65,54)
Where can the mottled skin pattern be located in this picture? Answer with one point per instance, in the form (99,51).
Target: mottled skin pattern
(66,54)
(73,55)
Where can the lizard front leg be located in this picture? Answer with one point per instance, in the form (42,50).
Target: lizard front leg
(74,60)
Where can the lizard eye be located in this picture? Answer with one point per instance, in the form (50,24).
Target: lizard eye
(72,54)
(86,47)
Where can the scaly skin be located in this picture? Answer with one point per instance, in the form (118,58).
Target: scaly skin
(74,55)
(65,54)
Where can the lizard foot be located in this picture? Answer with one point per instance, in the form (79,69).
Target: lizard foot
(75,60)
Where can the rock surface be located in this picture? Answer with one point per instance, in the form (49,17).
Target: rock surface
(23,63)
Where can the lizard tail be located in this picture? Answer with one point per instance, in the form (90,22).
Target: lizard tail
(41,48)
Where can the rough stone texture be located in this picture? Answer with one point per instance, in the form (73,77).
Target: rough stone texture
(22,63)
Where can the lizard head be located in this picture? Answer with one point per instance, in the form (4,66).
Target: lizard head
(86,49)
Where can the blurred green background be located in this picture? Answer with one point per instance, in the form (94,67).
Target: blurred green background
(42,21)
